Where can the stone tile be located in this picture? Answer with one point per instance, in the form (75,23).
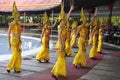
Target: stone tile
(8,77)
(3,63)
(23,73)
(103,63)
(12,73)
(3,70)
(98,77)
(111,62)
(104,73)
(93,77)
(37,64)
(33,68)
(3,76)
(107,68)
(108,57)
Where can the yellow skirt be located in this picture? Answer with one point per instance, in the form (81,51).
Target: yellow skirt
(68,50)
(72,42)
(80,58)
(90,41)
(15,62)
(59,69)
(43,54)
(93,52)
(100,44)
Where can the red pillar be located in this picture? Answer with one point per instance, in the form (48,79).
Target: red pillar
(5,21)
(110,16)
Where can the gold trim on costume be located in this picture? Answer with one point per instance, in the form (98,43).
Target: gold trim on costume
(45,18)
(15,13)
(83,17)
(62,14)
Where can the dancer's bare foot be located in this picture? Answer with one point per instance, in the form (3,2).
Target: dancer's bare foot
(8,71)
(93,58)
(17,71)
(47,61)
(75,66)
(54,77)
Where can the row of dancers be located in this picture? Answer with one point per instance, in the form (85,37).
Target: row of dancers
(89,33)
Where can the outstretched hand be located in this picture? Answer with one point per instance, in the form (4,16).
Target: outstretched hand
(72,6)
(71,9)
(96,10)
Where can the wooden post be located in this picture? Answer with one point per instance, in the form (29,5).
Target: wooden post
(5,21)
(24,22)
(109,22)
(109,27)
(52,22)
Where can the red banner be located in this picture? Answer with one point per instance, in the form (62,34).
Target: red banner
(111,6)
(27,14)
(89,11)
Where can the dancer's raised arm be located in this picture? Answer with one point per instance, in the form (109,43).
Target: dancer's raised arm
(71,9)
(30,24)
(95,14)
(54,24)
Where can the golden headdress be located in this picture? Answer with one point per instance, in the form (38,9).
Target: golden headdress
(15,13)
(45,18)
(62,15)
(83,17)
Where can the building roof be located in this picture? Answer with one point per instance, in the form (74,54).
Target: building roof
(28,5)
(39,6)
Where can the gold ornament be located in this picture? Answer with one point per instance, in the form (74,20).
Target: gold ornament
(45,18)
(15,13)
(83,17)
(62,15)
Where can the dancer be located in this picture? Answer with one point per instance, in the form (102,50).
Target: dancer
(15,42)
(59,69)
(80,58)
(68,50)
(93,50)
(100,39)
(43,54)
(73,34)
(90,33)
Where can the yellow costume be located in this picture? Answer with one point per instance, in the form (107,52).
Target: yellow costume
(90,35)
(73,35)
(93,50)
(100,40)
(15,42)
(80,58)
(73,38)
(15,62)
(43,54)
(59,69)
(68,50)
